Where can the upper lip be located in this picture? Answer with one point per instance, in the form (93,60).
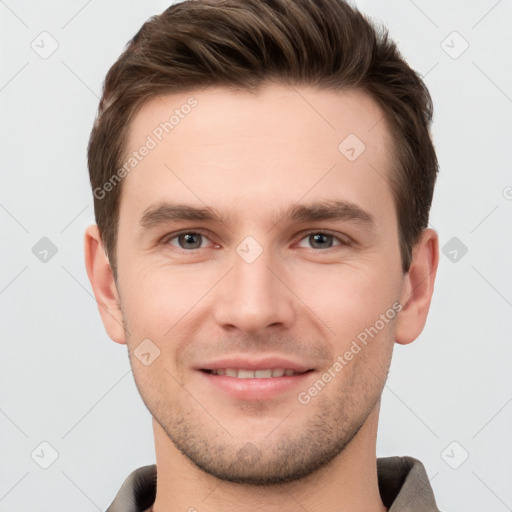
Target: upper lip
(245,363)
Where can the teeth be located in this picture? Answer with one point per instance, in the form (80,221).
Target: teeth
(253,374)
(263,374)
(245,374)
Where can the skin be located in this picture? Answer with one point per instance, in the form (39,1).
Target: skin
(252,156)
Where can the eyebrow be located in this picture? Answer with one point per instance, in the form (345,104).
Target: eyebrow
(325,210)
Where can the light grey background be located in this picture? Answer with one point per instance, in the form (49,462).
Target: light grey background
(64,382)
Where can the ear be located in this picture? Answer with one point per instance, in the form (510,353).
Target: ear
(103,284)
(417,288)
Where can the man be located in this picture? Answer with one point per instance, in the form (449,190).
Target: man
(263,173)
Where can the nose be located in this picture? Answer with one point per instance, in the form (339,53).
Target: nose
(254,296)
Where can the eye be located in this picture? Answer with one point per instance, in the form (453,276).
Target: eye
(188,240)
(193,240)
(322,240)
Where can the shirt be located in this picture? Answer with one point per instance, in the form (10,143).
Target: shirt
(403,484)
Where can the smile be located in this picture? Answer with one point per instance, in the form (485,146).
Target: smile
(240,373)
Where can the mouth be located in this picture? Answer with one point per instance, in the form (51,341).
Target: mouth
(256,384)
(268,373)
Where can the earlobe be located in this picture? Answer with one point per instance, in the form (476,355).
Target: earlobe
(103,284)
(417,288)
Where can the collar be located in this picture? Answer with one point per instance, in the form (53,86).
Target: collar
(403,484)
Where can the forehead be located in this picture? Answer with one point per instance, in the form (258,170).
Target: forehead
(280,141)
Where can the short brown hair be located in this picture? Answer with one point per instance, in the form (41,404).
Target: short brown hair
(245,43)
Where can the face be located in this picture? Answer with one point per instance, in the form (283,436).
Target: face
(254,237)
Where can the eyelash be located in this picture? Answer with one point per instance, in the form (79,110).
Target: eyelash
(343,242)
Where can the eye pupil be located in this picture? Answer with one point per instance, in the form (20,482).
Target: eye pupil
(321,239)
(191,240)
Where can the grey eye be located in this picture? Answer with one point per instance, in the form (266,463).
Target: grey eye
(188,240)
(320,240)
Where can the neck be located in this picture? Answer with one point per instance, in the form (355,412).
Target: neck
(348,483)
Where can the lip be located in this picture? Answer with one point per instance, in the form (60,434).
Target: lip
(245,363)
(254,389)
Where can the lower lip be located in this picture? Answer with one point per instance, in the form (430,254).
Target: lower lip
(255,389)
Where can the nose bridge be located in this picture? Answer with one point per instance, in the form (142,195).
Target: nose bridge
(252,298)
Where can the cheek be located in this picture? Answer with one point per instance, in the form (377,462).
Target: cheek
(158,383)
(168,306)
(157,294)
(159,301)
(347,298)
